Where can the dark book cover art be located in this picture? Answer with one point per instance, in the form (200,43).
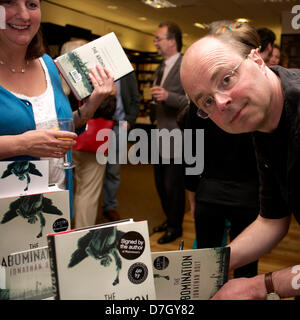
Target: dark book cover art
(106,263)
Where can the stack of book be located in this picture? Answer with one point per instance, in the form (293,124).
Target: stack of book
(26,219)
(42,258)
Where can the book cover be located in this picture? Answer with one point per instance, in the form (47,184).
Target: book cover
(23,177)
(28,276)
(109,262)
(195,274)
(25,221)
(105,51)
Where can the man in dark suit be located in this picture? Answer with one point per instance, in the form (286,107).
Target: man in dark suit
(128,105)
(169,98)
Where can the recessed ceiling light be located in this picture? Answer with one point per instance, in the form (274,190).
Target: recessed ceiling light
(142,18)
(157,4)
(242,20)
(111,7)
(200,25)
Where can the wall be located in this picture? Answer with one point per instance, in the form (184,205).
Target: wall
(128,38)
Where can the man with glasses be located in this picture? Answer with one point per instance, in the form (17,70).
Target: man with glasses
(243,95)
(169,98)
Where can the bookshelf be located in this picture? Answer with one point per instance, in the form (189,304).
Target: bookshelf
(290,44)
(145,64)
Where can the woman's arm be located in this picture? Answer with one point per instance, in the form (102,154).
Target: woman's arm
(37,143)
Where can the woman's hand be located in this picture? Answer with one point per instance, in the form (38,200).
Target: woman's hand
(47,143)
(103,84)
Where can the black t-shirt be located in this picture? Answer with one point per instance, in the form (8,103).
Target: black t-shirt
(230,174)
(278,154)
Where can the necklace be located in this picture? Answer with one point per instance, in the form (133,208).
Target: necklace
(13,70)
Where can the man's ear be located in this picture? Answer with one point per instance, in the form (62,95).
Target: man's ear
(256,57)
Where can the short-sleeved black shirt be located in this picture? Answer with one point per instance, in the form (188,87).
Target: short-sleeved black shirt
(278,154)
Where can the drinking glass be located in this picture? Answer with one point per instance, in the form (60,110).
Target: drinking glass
(66,124)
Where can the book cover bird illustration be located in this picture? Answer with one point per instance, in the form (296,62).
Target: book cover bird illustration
(25,221)
(102,262)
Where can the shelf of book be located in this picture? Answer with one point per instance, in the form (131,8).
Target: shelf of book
(145,64)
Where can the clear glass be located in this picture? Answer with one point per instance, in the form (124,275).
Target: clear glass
(66,124)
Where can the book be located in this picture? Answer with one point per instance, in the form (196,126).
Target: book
(29,278)
(26,220)
(195,274)
(105,51)
(103,262)
(23,177)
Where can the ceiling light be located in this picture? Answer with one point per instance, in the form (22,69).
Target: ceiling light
(200,25)
(242,20)
(142,18)
(159,3)
(112,7)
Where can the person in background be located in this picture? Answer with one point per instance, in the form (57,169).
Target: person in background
(169,98)
(240,94)
(128,106)
(275,57)
(31,93)
(284,59)
(88,173)
(267,39)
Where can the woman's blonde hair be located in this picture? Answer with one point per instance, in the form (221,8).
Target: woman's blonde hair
(242,35)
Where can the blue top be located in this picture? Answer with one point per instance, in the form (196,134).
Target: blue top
(17,116)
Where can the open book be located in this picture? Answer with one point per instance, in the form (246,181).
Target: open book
(195,274)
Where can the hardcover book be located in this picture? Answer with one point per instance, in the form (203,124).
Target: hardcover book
(23,177)
(105,51)
(25,221)
(104,262)
(27,277)
(195,274)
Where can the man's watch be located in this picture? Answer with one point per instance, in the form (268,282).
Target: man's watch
(271,293)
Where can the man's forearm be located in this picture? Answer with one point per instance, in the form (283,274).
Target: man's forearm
(286,284)
(256,240)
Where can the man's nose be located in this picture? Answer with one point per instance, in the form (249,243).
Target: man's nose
(223,100)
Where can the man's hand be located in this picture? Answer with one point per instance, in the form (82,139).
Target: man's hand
(243,289)
(159,93)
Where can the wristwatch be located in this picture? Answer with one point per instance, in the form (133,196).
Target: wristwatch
(271,293)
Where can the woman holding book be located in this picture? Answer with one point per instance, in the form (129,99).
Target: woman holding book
(31,93)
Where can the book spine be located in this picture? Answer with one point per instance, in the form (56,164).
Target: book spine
(53,267)
(61,71)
